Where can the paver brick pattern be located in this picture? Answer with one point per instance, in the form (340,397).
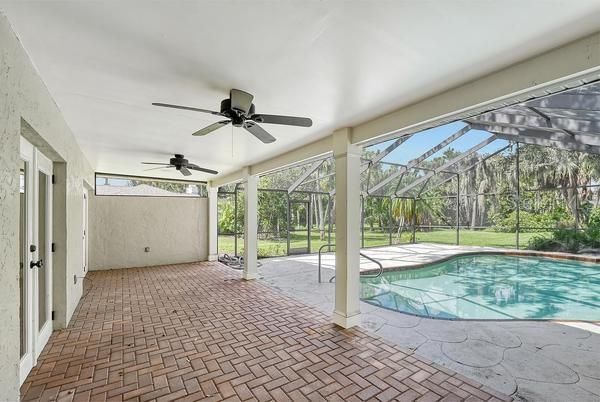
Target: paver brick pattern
(198,332)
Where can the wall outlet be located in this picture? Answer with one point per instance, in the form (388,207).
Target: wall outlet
(147,249)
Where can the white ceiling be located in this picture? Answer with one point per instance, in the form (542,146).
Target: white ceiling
(338,62)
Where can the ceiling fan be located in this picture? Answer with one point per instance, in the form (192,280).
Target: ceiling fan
(181,164)
(240,111)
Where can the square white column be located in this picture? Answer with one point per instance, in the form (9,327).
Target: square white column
(213,222)
(347,230)
(250,226)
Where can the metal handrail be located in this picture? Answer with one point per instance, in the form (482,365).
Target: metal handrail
(320,251)
(373,260)
(377,275)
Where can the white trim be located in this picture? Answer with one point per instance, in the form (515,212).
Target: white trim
(44,165)
(36,340)
(26,363)
(85,229)
(346,322)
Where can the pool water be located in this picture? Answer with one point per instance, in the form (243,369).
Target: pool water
(491,287)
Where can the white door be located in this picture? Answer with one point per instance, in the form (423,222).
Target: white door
(85,230)
(35,242)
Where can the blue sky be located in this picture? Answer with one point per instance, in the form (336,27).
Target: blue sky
(424,140)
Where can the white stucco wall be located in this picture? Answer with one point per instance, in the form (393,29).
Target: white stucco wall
(121,227)
(26,108)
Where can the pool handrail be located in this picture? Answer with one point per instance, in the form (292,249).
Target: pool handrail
(320,251)
(373,260)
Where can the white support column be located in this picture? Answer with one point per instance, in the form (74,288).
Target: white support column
(347,230)
(213,222)
(250,225)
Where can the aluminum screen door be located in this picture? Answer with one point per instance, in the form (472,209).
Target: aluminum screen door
(299,223)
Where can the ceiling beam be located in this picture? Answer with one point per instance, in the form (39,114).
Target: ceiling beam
(446,165)
(415,162)
(568,102)
(525,138)
(540,132)
(567,125)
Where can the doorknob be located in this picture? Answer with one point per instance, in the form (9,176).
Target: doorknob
(39,264)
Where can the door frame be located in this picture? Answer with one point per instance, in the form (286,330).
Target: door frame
(27,154)
(44,165)
(85,230)
(36,338)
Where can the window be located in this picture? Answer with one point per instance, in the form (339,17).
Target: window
(109,184)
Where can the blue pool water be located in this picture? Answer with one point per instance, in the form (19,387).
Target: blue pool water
(491,287)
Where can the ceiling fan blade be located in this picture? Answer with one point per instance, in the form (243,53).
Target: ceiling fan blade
(155,163)
(193,166)
(287,120)
(258,132)
(241,100)
(184,171)
(211,128)
(194,109)
(160,167)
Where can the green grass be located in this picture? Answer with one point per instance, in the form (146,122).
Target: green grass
(476,237)
(274,247)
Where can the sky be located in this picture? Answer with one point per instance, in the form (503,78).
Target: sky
(421,142)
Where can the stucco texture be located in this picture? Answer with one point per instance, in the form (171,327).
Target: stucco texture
(26,108)
(121,227)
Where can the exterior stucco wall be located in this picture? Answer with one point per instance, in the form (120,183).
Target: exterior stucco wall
(121,227)
(26,108)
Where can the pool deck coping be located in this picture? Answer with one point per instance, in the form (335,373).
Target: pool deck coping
(513,253)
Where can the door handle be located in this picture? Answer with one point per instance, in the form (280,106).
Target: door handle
(39,264)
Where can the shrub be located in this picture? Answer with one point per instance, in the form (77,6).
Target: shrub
(592,231)
(563,239)
(542,243)
(529,220)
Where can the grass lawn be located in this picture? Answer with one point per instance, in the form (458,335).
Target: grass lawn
(273,247)
(477,238)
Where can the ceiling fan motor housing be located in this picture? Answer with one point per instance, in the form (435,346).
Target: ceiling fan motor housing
(237,116)
(178,161)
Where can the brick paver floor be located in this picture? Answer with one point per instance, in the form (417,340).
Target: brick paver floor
(199,332)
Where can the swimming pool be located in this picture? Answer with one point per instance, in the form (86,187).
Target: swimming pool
(491,287)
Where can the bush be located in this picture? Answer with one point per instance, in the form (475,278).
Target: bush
(570,240)
(542,243)
(529,220)
(592,231)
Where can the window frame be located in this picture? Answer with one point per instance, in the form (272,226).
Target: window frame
(200,183)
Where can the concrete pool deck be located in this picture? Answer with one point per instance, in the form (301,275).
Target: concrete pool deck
(530,360)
